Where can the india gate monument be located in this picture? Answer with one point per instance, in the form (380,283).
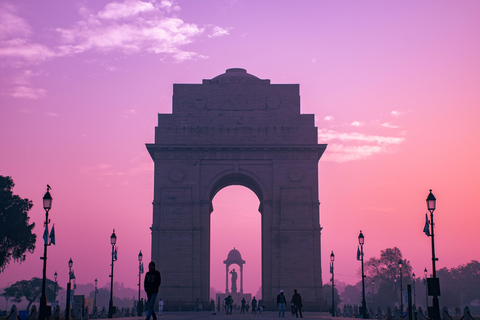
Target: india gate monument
(236,129)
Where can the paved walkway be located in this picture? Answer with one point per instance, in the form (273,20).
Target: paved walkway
(236,316)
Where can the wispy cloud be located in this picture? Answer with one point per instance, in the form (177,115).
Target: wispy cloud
(128,113)
(396,113)
(11,25)
(328,118)
(128,27)
(117,10)
(390,125)
(356,124)
(18,51)
(218,32)
(349,146)
(28,92)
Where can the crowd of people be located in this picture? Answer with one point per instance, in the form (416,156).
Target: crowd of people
(153,280)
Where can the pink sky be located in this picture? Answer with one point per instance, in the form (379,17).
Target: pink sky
(394,87)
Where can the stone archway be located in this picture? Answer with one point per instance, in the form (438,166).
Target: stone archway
(236,129)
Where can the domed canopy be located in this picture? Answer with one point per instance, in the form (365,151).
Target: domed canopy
(235,72)
(234,256)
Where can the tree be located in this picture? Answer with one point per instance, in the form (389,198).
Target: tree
(327,295)
(352,295)
(460,286)
(16,235)
(31,290)
(386,273)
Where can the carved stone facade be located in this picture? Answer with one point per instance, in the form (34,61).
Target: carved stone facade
(237,129)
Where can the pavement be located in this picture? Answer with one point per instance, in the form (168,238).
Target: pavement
(187,315)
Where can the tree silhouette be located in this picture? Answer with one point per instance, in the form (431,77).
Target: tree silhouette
(31,290)
(386,273)
(16,235)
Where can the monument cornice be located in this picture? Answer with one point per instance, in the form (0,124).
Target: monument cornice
(236,152)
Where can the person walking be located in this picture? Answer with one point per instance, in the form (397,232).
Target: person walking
(281,304)
(254,305)
(244,302)
(297,301)
(151,284)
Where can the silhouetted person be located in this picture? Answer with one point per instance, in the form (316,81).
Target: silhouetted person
(254,305)
(297,301)
(229,304)
(151,284)
(244,302)
(281,304)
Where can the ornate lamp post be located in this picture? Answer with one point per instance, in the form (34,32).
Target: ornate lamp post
(400,265)
(69,286)
(332,259)
(414,296)
(113,240)
(373,293)
(95,298)
(425,273)
(55,276)
(361,241)
(140,271)
(47,205)
(434,283)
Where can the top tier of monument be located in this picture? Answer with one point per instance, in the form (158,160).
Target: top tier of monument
(236,107)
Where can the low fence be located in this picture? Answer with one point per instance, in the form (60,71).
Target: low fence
(353,312)
(75,314)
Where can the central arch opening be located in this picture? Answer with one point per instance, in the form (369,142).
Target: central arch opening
(235,222)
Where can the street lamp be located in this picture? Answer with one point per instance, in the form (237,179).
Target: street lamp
(400,265)
(373,293)
(414,296)
(47,205)
(56,284)
(113,240)
(361,241)
(425,273)
(140,271)
(433,283)
(69,287)
(95,299)
(332,259)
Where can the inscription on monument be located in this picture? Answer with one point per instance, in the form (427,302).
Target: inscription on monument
(234,103)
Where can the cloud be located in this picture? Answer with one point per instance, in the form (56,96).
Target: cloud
(356,124)
(129,27)
(396,113)
(128,113)
(390,125)
(156,35)
(12,26)
(23,49)
(354,146)
(28,92)
(23,78)
(218,32)
(116,10)
(328,118)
